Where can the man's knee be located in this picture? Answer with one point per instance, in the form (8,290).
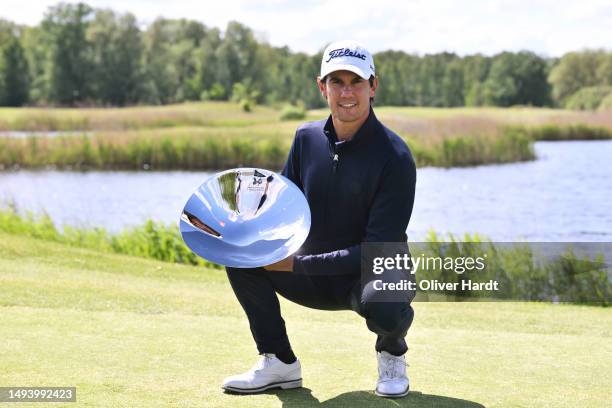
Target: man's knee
(390,317)
(250,283)
(243,273)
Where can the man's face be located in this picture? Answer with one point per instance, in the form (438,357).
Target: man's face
(348,95)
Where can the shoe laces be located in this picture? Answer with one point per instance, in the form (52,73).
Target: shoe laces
(264,361)
(391,367)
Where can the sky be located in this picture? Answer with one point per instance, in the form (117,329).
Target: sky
(547,27)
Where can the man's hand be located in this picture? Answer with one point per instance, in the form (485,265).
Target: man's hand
(286,265)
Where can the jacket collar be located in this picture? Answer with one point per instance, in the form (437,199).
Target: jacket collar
(371,125)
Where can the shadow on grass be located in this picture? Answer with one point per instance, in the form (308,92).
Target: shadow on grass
(302,397)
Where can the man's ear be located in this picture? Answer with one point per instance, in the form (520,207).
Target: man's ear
(322,87)
(374,87)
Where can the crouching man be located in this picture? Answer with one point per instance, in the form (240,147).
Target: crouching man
(359,179)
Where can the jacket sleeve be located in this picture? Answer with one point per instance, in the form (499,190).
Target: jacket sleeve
(388,219)
(292,165)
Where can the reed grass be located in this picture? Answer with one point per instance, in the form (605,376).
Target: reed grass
(210,136)
(161,149)
(569,132)
(214,148)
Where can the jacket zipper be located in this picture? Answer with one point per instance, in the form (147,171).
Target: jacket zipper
(330,184)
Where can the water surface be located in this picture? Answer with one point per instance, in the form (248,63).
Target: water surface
(564,195)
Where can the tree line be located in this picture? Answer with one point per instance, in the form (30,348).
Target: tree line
(81,56)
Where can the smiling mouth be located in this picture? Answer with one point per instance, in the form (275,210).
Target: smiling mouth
(347,105)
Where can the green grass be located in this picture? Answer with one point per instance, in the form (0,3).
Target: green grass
(149,240)
(140,117)
(521,276)
(225,114)
(131,332)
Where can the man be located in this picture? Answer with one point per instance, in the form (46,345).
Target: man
(359,179)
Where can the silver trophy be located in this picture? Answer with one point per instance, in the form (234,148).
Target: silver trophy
(245,218)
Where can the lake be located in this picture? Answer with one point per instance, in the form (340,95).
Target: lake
(564,195)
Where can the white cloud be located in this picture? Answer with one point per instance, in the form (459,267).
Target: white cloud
(425,26)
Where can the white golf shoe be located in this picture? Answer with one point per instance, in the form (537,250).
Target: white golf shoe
(269,372)
(392,379)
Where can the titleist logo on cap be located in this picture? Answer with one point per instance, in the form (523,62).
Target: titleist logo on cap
(344,52)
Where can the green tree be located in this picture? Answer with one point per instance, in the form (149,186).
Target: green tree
(65,27)
(588,98)
(189,39)
(275,82)
(37,56)
(172,59)
(432,69)
(245,94)
(452,84)
(7,30)
(475,72)
(117,57)
(302,73)
(517,79)
(14,77)
(206,66)
(407,68)
(578,70)
(79,56)
(388,72)
(235,56)
(604,70)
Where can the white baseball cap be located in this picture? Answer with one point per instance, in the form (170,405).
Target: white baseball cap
(349,56)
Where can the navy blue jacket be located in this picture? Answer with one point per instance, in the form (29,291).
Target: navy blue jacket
(361,190)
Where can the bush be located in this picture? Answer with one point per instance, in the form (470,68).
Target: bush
(524,271)
(569,132)
(245,95)
(246,105)
(588,98)
(606,103)
(216,93)
(150,240)
(291,112)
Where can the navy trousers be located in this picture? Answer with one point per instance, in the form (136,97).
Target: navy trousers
(257,289)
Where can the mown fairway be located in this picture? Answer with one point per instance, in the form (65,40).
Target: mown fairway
(131,332)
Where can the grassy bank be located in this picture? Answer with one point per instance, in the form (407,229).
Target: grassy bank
(134,332)
(518,269)
(150,240)
(219,135)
